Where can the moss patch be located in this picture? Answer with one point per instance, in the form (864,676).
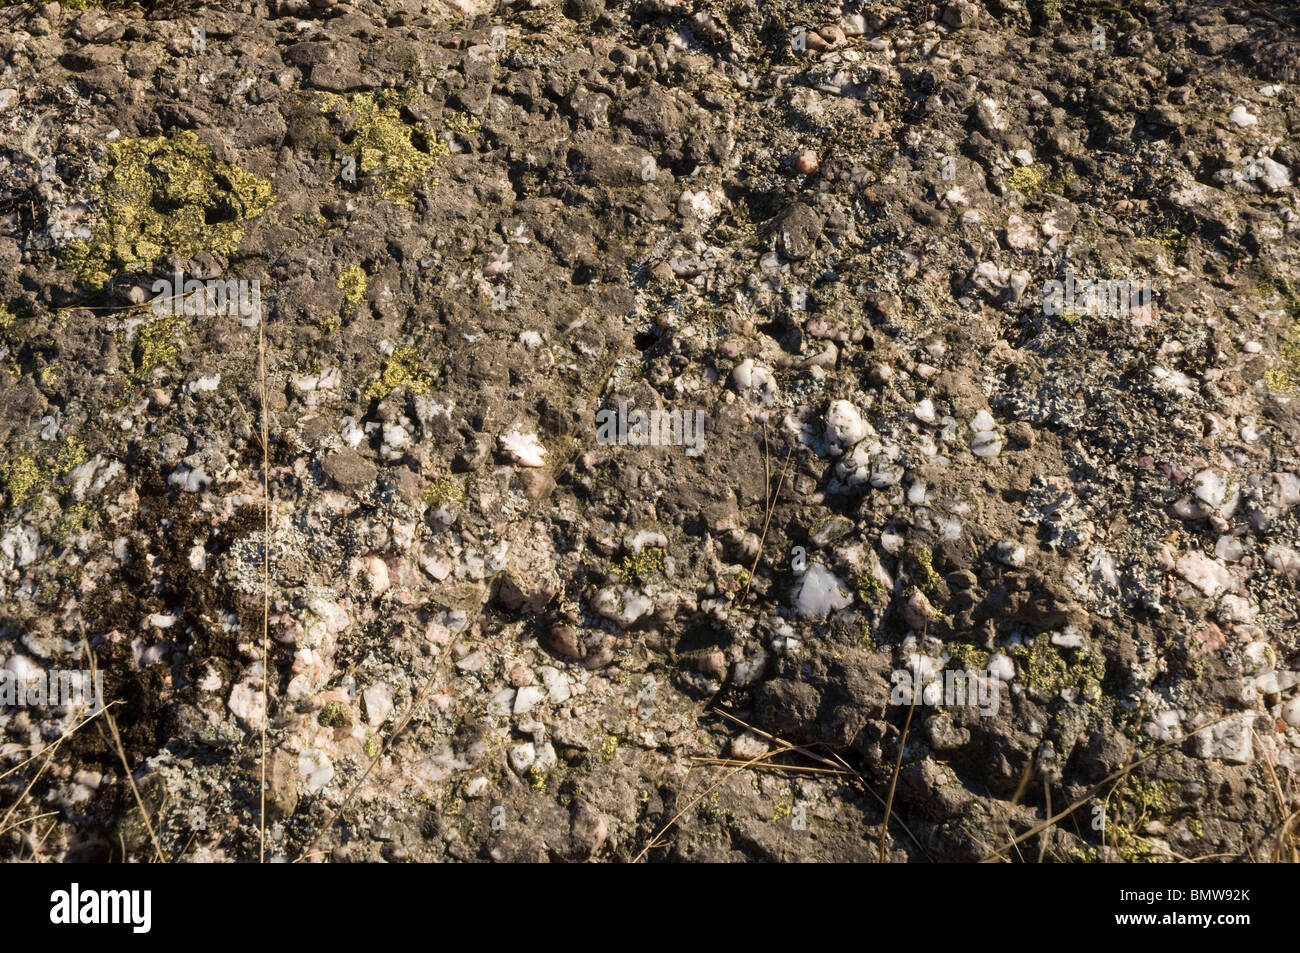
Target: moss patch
(164,196)
(398,153)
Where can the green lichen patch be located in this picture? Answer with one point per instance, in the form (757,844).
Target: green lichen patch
(402,369)
(23,475)
(868,588)
(442,491)
(1031,180)
(155,345)
(161,196)
(71,454)
(637,567)
(963,656)
(353,281)
(1046,672)
(608,746)
(1285,377)
(20,476)
(927,580)
(335,715)
(1027,178)
(463,125)
(398,153)
(1132,805)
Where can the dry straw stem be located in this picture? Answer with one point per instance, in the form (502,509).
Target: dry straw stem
(67,734)
(834,761)
(893,782)
(793,768)
(142,306)
(1286,843)
(121,754)
(29,820)
(655,840)
(1096,789)
(769,504)
(266,569)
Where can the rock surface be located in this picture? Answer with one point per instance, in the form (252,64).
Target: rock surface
(624,361)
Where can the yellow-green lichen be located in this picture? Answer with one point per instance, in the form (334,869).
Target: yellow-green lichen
(1027,179)
(1129,808)
(1174,239)
(23,474)
(637,567)
(782,809)
(155,344)
(161,196)
(927,580)
(71,454)
(400,154)
(442,491)
(868,587)
(1030,180)
(1046,672)
(963,655)
(607,748)
(462,124)
(20,476)
(72,521)
(402,369)
(335,715)
(1285,377)
(353,281)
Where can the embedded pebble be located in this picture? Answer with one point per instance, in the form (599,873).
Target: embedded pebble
(820,593)
(844,425)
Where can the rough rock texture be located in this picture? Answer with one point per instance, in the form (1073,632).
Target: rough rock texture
(651,386)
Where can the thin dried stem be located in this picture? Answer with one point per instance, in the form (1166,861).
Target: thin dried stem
(893,782)
(266,571)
